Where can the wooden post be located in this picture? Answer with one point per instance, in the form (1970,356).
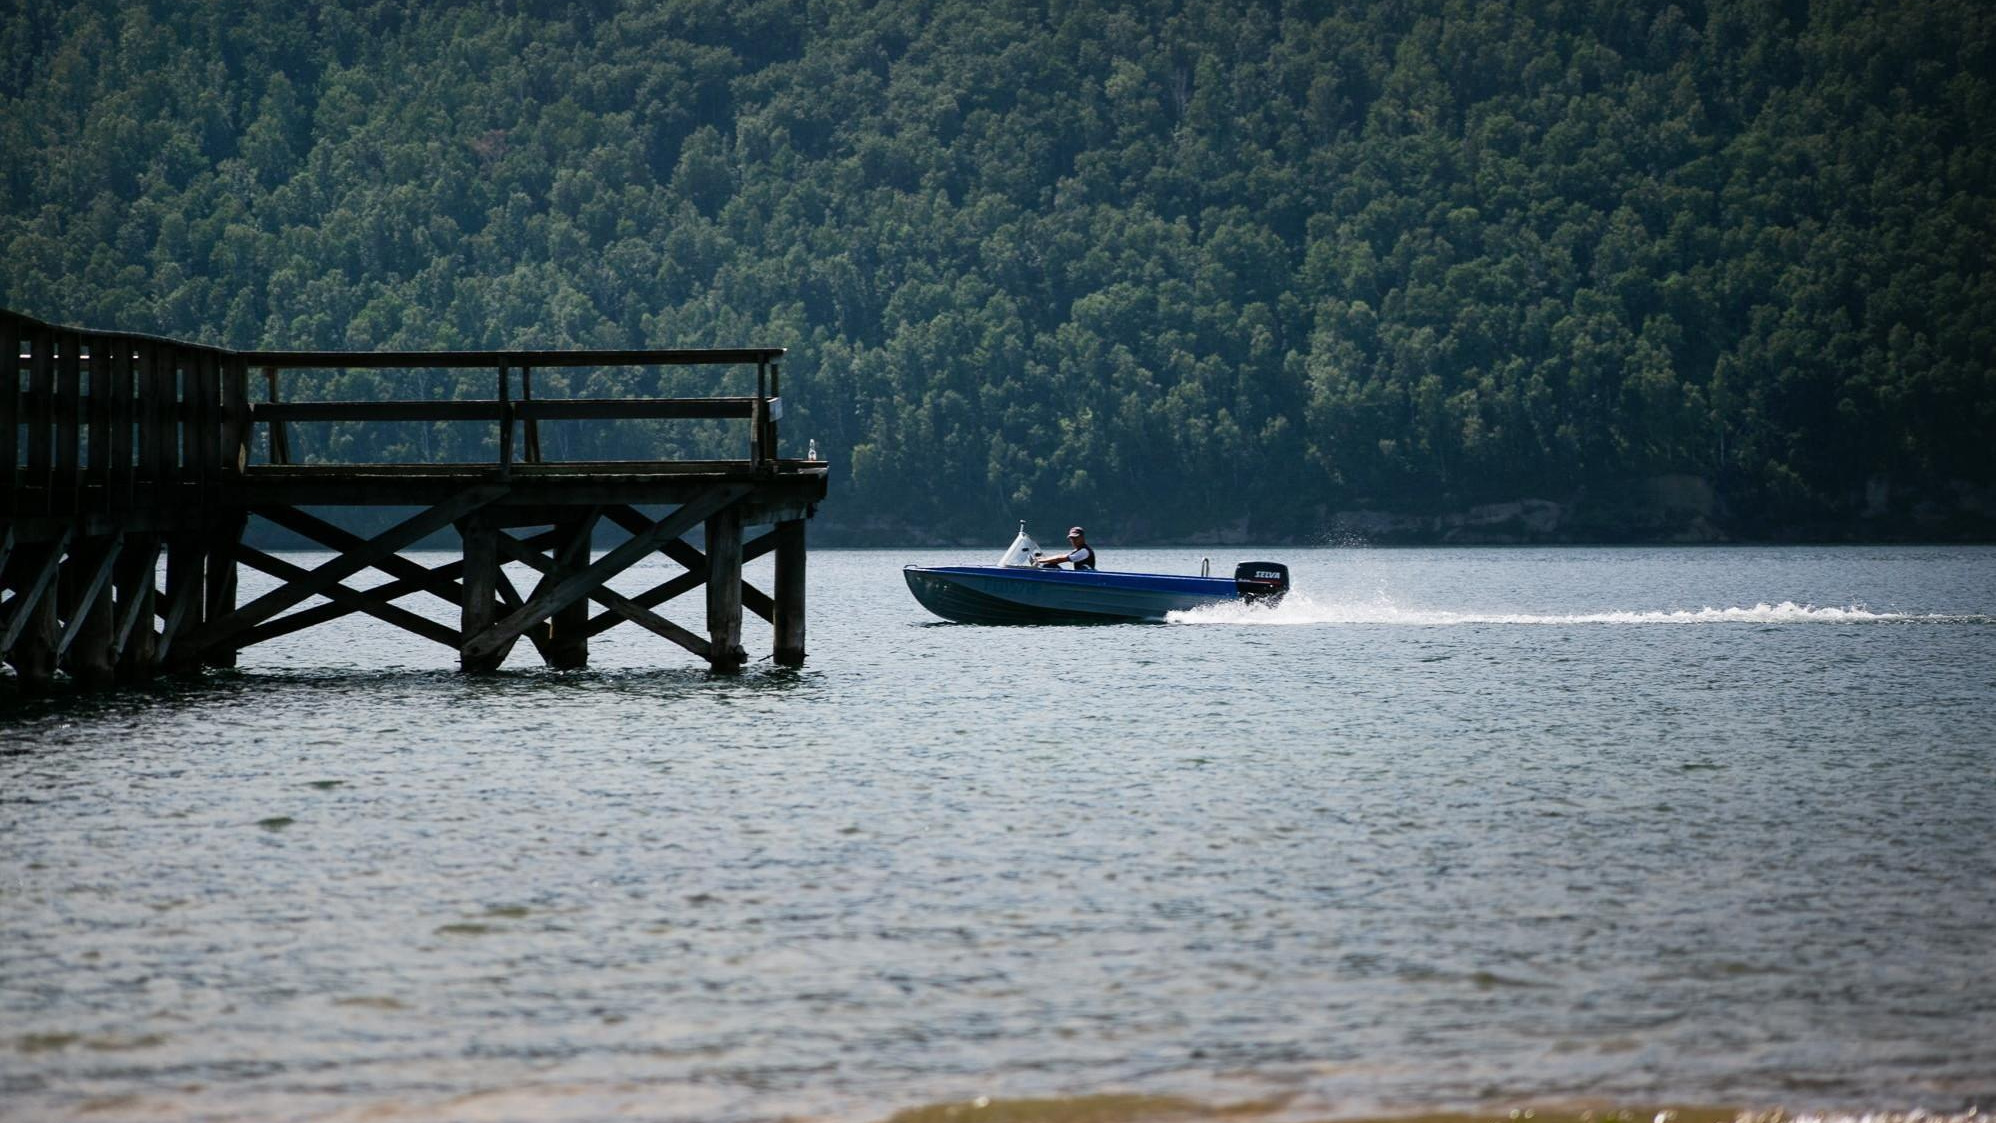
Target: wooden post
(204,421)
(234,391)
(38,412)
(96,461)
(10,408)
(481,591)
(221,587)
(759,417)
(192,412)
(119,411)
(531,429)
(68,424)
(774,413)
(505,426)
(185,591)
(29,636)
(280,440)
(724,591)
(168,455)
(154,387)
(789,611)
(568,640)
(85,647)
(137,643)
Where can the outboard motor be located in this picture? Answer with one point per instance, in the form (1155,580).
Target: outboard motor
(1261,582)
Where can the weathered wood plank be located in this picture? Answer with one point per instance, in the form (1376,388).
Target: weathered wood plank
(567,647)
(437,582)
(155,386)
(531,433)
(620,607)
(221,584)
(535,486)
(443,360)
(690,556)
(10,408)
(28,601)
(185,555)
(724,592)
(321,613)
(280,438)
(38,411)
(136,596)
(202,434)
(753,599)
(410,577)
(91,608)
(679,549)
(120,417)
(616,561)
(369,601)
(631,409)
(28,639)
(475,410)
(99,369)
(481,586)
(505,424)
(534,410)
(652,598)
(773,412)
(365,556)
(68,419)
(236,425)
(788,618)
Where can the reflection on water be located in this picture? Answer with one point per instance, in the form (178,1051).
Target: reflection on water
(1468,828)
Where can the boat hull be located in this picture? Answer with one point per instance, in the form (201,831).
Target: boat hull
(982,594)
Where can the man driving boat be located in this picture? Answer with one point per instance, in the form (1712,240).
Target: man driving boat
(1079,553)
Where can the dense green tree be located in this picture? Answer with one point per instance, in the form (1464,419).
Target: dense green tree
(1162,266)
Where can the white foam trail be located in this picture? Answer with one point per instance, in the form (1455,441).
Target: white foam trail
(1297,608)
(1971,1115)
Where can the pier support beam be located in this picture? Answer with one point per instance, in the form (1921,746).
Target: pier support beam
(220,594)
(84,649)
(28,632)
(789,609)
(185,592)
(481,593)
(567,647)
(724,591)
(136,642)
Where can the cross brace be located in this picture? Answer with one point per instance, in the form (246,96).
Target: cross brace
(364,555)
(578,585)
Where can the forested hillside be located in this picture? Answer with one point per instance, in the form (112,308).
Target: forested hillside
(1168,268)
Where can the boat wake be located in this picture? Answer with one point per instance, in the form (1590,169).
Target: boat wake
(1298,608)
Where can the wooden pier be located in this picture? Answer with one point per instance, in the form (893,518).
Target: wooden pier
(118,451)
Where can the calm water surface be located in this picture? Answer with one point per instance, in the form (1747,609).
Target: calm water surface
(1450,827)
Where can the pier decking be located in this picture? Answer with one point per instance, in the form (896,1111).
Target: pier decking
(120,450)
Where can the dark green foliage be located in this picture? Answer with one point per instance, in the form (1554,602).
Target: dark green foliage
(1158,267)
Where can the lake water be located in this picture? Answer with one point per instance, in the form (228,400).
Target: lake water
(1450,827)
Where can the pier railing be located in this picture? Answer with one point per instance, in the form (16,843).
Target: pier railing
(513,407)
(110,422)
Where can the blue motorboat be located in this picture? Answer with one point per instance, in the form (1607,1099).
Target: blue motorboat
(1019,591)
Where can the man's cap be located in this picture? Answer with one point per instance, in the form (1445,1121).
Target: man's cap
(1074,531)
